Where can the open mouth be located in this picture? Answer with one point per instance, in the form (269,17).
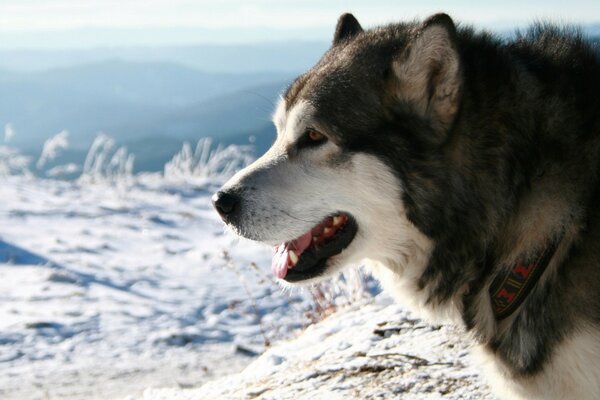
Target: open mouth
(306,256)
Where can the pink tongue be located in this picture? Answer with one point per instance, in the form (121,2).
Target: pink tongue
(281,255)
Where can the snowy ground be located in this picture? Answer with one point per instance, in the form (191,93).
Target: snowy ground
(106,291)
(370,351)
(109,291)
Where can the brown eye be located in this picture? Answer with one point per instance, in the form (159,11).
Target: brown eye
(315,136)
(311,138)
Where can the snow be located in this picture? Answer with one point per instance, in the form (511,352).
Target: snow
(110,289)
(114,290)
(370,350)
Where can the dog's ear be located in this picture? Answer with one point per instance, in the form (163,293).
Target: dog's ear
(428,72)
(347,27)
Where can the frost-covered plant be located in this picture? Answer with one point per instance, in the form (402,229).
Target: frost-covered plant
(61,171)
(52,148)
(207,162)
(12,162)
(347,288)
(106,163)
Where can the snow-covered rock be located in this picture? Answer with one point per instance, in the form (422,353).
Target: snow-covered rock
(368,351)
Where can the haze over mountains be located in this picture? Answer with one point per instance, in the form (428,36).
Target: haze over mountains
(290,56)
(128,100)
(150,99)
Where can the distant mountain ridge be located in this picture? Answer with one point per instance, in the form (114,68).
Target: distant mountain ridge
(166,83)
(243,117)
(233,58)
(128,101)
(152,108)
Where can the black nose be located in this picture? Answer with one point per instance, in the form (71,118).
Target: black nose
(225,203)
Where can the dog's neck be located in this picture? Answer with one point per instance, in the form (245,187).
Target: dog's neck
(538,234)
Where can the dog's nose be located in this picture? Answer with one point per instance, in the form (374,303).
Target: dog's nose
(225,203)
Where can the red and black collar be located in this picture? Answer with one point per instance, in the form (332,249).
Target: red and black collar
(508,290)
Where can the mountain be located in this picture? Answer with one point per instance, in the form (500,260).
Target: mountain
(227,116)
(242,117)
(127,100)
(160,83)
(284,56)
(86,101)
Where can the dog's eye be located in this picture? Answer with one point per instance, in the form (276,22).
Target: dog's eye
(311,138)
(315,136)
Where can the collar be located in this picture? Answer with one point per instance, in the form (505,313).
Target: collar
(509,290)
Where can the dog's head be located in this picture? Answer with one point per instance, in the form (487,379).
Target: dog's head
(351,132)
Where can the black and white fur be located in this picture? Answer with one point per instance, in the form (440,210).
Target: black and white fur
(457,153)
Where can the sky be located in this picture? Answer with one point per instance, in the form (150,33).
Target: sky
(81,23)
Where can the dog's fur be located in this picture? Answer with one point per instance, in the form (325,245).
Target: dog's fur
(456,153)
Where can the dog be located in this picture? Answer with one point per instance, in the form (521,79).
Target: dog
(463,168)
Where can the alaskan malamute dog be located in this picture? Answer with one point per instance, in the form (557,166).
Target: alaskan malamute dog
(461,167)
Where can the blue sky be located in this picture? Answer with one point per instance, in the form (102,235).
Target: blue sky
(81,23)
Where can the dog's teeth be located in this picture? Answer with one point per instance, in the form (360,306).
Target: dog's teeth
(337,221)
(293,258)
(327,231)
(314,239)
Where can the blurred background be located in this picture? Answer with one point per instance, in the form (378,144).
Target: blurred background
(118,120)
